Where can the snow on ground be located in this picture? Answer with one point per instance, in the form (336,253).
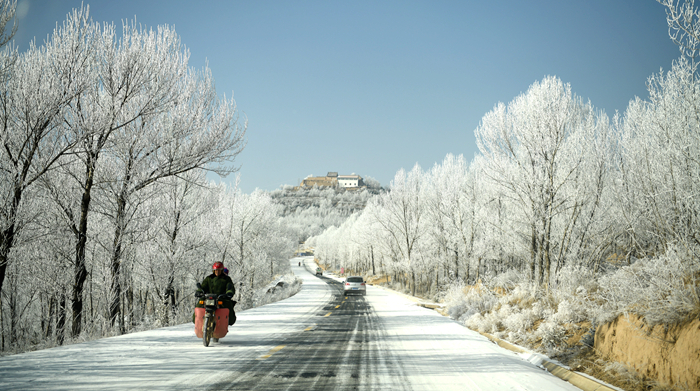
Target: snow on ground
(171,358)
(434,352)
(438,353)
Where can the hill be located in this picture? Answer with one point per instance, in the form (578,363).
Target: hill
(309,212)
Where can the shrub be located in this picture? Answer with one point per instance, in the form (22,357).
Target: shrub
(461,305)
(552,335)
(663,290)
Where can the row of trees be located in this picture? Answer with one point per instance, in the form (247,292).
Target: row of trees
(105,214)
(532,200)
(557,183)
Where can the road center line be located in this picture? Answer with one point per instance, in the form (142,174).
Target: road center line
(271,352)
(328,314)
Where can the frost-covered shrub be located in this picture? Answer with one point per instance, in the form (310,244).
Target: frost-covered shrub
(516,336)
(476,321)
(508,280)
(539,311)
(520,321)
(523,295)
(488,323)
(663,290)
(566,313)
(505,311)
(571,277)
(569,297)
(552,335)
(290,286)
(574,280)
(461,305)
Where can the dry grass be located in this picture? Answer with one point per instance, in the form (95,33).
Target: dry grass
(522,302)
(588,361)
(576,331)
(378,280)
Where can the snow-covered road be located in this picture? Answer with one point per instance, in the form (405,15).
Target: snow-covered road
(317,339)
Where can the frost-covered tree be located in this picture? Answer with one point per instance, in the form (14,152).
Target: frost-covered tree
(122,91)
(33,102)
(181,211)
(8,10)
(659,162)
(129,111)
(401,214)
(452,198)
(198,130)
(248,239)
(534,148)
(684,27)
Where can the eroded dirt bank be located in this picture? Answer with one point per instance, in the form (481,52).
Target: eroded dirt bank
(671,355)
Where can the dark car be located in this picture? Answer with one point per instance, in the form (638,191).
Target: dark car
(319,271)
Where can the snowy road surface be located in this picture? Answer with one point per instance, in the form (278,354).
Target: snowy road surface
(318,339)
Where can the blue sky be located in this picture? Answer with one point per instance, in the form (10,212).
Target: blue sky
(370,87)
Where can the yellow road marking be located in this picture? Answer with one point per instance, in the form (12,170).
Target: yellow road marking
(310,328)
(337,306)
(328,314)
(271,352)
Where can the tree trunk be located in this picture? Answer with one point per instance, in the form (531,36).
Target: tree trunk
(547,256)
(168,300)
(13,317)
(115,266)
(456,265)
(478,270)
(52,315)
(115,287)
(437,279)
(2,326)
(130,304)
(413,283)
(61,320)
(7,236)
(466,276)
(80,270)
(533,253)
(540,266)
(115,307)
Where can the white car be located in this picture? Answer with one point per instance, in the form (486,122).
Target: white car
(354,284)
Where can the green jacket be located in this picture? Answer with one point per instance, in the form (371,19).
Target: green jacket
(219,285)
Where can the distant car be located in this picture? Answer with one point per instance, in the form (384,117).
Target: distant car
(319,271)
(354,284)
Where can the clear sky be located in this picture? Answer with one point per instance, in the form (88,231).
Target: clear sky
(370,87)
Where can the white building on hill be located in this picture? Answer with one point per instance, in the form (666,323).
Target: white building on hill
(349,180)
(332,179)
